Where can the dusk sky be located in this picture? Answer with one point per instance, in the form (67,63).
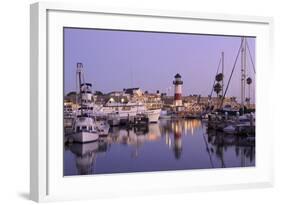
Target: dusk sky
(114,60)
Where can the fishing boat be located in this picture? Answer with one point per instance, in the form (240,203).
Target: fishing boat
(84,126)
(84,129)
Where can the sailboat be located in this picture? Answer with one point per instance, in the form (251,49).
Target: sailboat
(224,118)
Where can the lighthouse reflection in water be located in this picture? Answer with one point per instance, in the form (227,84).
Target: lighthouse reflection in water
(167,145)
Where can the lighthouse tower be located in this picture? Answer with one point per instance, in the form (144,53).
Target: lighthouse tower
(178,90)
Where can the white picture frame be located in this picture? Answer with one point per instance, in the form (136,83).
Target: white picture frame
(46,179)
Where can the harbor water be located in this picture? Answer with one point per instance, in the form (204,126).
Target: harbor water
(170,144)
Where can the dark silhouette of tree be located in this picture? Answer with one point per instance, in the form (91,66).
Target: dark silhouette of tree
(217,88)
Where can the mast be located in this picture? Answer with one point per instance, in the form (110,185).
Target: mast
(249,90)
(79,75)
(236,59)
(79,67)
(242,51)
(222,68)
(243,72)
(245,67)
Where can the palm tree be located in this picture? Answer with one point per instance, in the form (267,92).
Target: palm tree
(219,77)
(249,82)
(217,89)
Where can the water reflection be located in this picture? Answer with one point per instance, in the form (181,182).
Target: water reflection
(220,143)
(167,145)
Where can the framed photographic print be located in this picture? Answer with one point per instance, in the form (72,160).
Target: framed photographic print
(127,102)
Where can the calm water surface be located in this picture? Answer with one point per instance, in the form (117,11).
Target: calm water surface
(167,145)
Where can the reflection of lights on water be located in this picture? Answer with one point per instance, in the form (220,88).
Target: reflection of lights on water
(178,143)
(169,142)
(185,125)
(152,137)
(191,125)
(177,128)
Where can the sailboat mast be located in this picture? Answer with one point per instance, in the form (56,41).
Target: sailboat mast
(242,73)
(222,65)
(245,66)
(249,94)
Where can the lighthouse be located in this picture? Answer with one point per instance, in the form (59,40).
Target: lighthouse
(178,90)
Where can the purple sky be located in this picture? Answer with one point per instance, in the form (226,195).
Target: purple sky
(114,60)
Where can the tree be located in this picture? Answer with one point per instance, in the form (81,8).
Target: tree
(249,81)
(219,77)
(217,88)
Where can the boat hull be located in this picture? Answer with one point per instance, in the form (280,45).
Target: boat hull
(153,115)
(84,137)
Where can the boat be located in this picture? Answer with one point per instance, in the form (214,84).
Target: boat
(68,111)
(84,126)
(228,118)
(84,129)
(102,127)
(68,116)
(122,113)
(164,114)
(153,115)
